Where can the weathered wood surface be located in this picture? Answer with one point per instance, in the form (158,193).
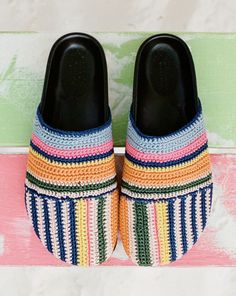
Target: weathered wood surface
(23,59)
(22,64)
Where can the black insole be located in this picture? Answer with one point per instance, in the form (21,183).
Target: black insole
(75,94)
(165,92)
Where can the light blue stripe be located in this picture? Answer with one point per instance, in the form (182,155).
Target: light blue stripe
(72,141)
(166,144)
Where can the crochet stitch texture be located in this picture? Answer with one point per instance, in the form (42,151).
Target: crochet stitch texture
(71,192)
(166,192)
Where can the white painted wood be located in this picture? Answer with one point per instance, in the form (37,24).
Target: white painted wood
(138,281)
(117,150)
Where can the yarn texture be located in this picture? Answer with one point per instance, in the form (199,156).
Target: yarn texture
(71,192)
(166,192)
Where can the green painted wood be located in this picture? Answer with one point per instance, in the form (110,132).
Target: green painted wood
(23,60)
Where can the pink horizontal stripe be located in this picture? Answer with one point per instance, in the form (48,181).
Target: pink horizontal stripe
(81,152)
(163,157)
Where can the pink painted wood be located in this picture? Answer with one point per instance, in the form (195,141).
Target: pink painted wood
(20,246)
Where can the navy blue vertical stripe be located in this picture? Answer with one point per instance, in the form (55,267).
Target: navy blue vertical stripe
(32,205)
(183,226)
(47,225)
(60,230)
(211,189)
(171,230)
(203,207)
(193,217)
(73,232)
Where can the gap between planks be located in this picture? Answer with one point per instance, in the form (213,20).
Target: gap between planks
(117,150)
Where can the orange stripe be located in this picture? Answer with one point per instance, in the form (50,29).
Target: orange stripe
(160,183)
(164,182)
(114,217)
(166,178)
(50,169)
(124,225)
(50,172)
(73,178)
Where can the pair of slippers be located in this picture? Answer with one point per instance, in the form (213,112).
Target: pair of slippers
(71,191)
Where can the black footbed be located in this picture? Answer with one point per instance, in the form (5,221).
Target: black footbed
(165,91)
(75,93)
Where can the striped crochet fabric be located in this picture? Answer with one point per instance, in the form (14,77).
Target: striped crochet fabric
(71,192)
(166,193)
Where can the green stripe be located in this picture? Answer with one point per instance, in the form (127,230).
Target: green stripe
(101,234)
(60,188)
(163,190)
(141,230)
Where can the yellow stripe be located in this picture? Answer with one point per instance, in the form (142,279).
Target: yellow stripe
(169,168)
(81,232)
(163,232)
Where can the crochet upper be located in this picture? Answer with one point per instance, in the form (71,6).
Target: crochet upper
(71,192)
(166,192)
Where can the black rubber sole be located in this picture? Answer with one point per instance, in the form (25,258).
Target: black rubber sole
(165,89)
(75,93)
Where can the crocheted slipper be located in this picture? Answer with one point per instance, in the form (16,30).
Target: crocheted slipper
(70,187)
(167,182)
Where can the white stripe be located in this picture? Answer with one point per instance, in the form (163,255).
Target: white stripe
(208,203)
(177,228)
(66,231)
(107,225)
(41,222)
(189,233)
(158,196)
(74,183)
(198,214)
(53,228)
(153,239)
(95,227)
(86,194)
(92,231)
(28,200)
(133,247)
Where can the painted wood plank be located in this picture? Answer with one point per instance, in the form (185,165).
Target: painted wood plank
(20,246)
(23,61)
(53,281)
